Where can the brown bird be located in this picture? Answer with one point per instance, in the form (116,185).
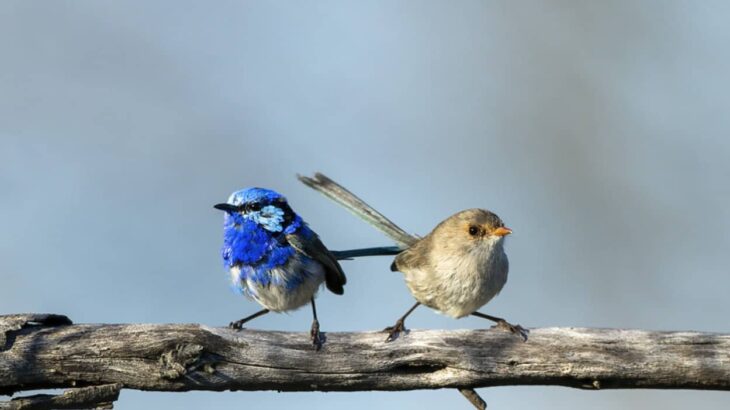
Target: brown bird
(456,269)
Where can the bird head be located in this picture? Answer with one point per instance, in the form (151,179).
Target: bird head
(265,207)
(480,224)
(473,227)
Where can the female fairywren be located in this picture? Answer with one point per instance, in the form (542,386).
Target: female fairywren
(456,269)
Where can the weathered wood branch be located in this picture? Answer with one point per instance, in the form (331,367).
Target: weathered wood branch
(92,397)
(37,354)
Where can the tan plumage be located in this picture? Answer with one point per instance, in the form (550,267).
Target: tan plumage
(455,269)
(460,265)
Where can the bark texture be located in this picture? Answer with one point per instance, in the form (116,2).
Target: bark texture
(46,351)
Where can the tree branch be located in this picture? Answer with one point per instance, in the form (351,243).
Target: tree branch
(47,351)
(94,397)
(182,357)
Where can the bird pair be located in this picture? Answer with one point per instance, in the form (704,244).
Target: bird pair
(274,258)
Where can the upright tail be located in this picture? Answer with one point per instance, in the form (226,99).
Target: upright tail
(357,206)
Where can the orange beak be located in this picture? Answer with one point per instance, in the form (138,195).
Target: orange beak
(502,231)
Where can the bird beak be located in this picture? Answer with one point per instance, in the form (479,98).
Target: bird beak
(502,231)
(226,207)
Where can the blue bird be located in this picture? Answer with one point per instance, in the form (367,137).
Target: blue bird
(273,257)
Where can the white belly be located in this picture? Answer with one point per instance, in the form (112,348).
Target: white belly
(458,287)
(277,296)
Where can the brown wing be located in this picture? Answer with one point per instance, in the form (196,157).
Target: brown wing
(413,257)
(314,248)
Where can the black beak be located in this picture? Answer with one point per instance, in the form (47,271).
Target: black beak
(227,207)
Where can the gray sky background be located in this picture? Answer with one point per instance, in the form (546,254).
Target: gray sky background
(597,130)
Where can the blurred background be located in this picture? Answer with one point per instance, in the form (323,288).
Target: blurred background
(598,131)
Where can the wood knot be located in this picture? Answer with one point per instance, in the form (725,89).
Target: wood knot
(179,361)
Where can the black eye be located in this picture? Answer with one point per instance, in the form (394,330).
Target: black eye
(473,230)
(253,207)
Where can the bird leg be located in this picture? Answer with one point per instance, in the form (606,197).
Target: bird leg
(317,338)
(238,324)
(400,325)
(501,323)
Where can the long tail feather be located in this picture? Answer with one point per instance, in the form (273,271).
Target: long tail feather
(358,207)
(377,251)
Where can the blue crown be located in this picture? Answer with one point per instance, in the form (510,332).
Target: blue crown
(254,195)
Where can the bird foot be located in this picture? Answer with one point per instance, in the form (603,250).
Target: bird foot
(316,336)
(237,325)
(517,329)
(395,330)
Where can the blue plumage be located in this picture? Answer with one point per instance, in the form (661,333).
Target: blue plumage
(254,195)
(272,255)
(244,241)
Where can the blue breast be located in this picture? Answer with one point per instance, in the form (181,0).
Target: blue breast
(257,251)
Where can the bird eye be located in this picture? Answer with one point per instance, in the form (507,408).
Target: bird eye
(253,207)
(473,230)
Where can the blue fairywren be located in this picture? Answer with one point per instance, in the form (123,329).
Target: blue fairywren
(273,257)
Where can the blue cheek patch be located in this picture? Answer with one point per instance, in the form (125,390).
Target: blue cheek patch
(270,218)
